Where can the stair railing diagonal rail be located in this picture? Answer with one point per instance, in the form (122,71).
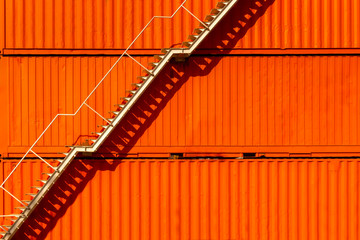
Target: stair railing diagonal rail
(69,156)
(91,93)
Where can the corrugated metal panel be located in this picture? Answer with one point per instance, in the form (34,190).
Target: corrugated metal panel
(41,87)
(20,183)
(112,24)
(4,107)
(204,199)
(293,24)
(293,104)
(262,101)
(2,26)
(98,24)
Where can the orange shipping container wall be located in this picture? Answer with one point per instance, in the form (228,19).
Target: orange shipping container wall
(98,24)
(204,199)
(232,104)
(112,24)
(277,78)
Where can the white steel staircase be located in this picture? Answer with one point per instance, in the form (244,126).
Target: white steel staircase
(200,33)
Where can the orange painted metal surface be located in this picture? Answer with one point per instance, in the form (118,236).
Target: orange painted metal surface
(260,102)
(226,105)
(201,199)
(98,24)
(4,107)
(2,26)
(111,24)
(295,24)
(39,88)
(269,104)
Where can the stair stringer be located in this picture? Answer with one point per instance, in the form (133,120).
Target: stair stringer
(170,53)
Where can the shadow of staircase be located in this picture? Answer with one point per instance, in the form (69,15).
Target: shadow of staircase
(75,178)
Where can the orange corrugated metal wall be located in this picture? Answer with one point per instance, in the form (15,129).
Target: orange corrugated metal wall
(298,97)
(294,104)
(97,24)
(113,24)
(267,104)
(202,199)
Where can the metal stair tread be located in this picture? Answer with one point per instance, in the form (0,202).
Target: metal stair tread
(187,44)
(131,91)
(115,113)
(31,194)
(137,84)
(125,98)
(159,57)
(168,53)
(41,180)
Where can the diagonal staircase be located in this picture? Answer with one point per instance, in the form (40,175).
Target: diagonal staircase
(200,33)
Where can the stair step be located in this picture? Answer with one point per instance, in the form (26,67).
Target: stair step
(21,208)
(148,71)
(31,194)
(143,78)
(207,23)
(209,18)
(137,84)
(193,37)
(221,4)
(98,133)
(131,91)
(187,44)
(199,30)
(153,64)
(115,112)
(41,180)
(120,105)
(159,57)
(214,11)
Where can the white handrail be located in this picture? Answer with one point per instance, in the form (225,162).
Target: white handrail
(90,94)
(29,208)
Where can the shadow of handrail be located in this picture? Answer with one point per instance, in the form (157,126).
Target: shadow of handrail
(75,178)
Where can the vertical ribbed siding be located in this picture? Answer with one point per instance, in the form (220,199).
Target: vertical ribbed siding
(262,101)
(2,26)
(41,87)
(294,24)
(98,24)
(20,182)
(267,103)
(204,199)
(4,94)
(111,24)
